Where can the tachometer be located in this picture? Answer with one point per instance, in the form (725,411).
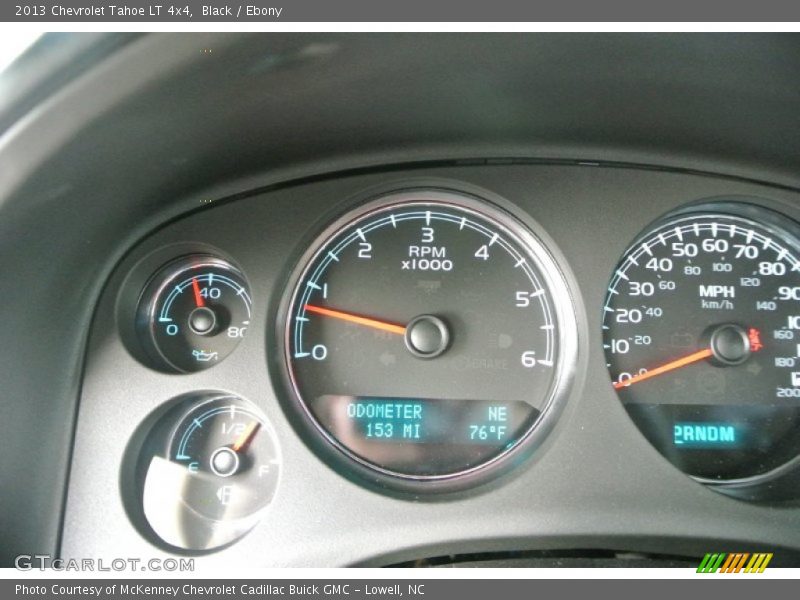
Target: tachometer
(428,336)
(701,339)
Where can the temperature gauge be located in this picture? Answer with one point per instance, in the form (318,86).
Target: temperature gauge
(212,466)
(194,312)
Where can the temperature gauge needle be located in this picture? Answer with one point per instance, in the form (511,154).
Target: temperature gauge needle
(367,322)
(666,368)
(243,441)
(198,299)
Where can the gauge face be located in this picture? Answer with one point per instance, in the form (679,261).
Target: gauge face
(214,467)
(426,336)
(700,335)
(194,312)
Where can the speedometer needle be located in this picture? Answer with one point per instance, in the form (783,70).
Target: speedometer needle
(666,368)
(359,320)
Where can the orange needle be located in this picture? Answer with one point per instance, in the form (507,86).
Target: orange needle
(198,299)
(670,366)
(246,437)
(344,316)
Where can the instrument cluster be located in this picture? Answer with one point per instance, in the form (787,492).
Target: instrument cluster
(424,341)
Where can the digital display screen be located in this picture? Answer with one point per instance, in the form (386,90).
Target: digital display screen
(707,435)
(431,420)
(721,441)
(423,434)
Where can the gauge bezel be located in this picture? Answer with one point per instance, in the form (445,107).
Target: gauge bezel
(767,485)
(156,437)
(519,230)
(158,283)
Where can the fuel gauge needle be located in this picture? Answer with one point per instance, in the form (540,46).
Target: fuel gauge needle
(666,368)
(243,441)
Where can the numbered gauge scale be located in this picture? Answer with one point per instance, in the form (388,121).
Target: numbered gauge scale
(210,468)
(193,313)
(428,336)
(702,337)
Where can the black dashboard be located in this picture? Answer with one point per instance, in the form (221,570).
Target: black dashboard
(361,300)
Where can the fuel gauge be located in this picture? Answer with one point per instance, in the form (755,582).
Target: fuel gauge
(212,466)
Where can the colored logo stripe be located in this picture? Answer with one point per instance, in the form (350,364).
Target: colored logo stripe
(710,563)
(734,563)
(758,563)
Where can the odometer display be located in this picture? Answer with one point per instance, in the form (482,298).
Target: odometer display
(425,336)
(700,333)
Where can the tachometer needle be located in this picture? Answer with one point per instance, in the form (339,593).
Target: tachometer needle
(243,441)
(665,368)
(367,322)
(198,299)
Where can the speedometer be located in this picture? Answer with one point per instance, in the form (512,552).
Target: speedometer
(701,333)
(429,336)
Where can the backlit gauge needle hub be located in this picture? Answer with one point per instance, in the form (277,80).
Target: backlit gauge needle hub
(225,460)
